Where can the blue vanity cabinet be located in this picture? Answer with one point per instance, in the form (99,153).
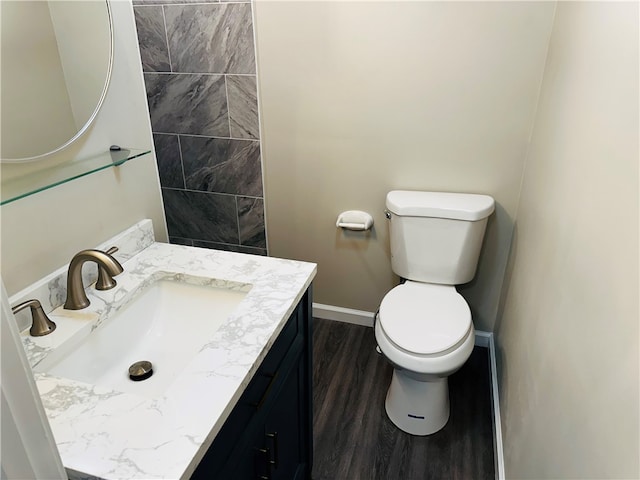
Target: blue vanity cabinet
(268,435)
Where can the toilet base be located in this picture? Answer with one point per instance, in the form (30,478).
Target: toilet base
(417,407)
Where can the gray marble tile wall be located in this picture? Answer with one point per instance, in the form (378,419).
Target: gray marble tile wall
(200,74)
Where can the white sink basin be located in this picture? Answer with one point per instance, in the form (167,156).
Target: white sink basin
(167,325)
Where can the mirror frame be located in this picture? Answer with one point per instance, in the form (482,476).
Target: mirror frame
(95,111)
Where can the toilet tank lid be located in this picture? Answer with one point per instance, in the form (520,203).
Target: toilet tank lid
(457,206)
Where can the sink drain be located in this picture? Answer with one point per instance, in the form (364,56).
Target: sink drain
(140,371)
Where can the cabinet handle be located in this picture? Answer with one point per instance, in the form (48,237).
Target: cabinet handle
(265,452)
(274,439)
(265,395)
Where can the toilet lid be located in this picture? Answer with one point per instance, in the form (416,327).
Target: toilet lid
(424,318)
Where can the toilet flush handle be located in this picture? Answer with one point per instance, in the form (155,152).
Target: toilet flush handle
(387,214)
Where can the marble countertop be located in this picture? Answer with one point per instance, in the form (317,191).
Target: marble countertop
(108,434)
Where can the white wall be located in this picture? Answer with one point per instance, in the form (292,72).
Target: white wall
(28,449)
(568,336)
(359,98)
(42,232)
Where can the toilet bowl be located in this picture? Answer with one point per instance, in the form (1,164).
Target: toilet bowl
(426,333)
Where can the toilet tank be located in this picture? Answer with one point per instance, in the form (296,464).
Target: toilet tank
(435,236)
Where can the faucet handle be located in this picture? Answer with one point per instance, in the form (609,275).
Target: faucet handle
(41,325)
(106,281)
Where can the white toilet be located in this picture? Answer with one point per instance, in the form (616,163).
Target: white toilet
(424,325)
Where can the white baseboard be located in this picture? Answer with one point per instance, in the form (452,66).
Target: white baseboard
(346,315)
(361,317)
(483,339)
(497,424)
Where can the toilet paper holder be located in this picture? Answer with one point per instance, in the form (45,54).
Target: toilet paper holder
(356,220)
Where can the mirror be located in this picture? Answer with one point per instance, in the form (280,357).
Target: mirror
(56,63)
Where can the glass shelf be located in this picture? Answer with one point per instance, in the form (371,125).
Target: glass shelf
(20,187)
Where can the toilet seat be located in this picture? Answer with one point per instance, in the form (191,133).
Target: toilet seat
(425,319)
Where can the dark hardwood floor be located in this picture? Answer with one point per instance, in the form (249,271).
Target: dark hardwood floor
(354,439)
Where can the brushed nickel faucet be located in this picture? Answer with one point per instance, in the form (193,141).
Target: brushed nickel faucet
(40,325)
(105,281)
(76,298)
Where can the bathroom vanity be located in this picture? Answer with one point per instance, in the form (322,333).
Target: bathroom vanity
(232,400)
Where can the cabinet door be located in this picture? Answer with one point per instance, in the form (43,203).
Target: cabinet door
(285,437)
(275,449)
